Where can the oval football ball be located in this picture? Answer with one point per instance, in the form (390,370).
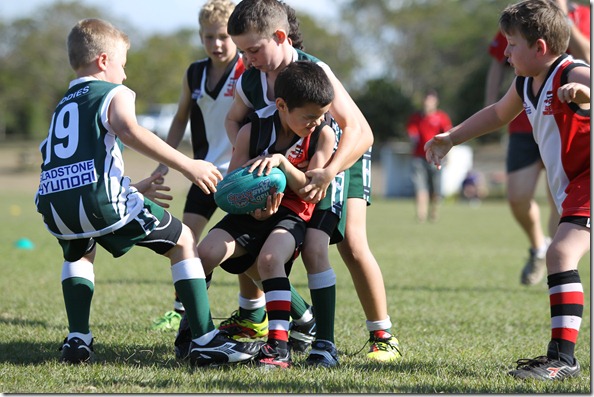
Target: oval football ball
(241,192)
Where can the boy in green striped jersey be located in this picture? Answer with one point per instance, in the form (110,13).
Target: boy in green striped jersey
(86,200)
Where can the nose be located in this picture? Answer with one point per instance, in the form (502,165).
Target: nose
(506,51)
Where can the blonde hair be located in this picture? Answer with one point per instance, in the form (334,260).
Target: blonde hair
(215,11)
(91,37)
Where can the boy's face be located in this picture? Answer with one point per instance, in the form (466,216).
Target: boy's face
(264,54)
(116,63)
(521,56)
(217,43)
(302,120)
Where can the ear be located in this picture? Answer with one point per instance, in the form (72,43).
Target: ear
(280,36)
(102,61)
(541,47)
(281,104)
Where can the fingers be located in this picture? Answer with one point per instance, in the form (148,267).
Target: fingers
(306,189)
(160,203)
(207,186)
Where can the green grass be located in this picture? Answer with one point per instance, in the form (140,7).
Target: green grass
(453,290)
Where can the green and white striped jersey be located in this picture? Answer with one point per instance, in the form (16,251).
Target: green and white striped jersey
(82,189)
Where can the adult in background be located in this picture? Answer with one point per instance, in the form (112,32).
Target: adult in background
(421,127)
(523,162)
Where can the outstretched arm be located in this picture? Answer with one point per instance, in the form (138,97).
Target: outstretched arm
(122,118)
(179,122)
(356,139)
(235,117)
(486,120)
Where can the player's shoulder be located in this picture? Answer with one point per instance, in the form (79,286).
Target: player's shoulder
(199,64)
(266,112)
(304,56)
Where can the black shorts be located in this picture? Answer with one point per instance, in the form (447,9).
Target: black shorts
(522,151)
(240,264)
(200,203)
(577,220)
(251,234)
(326,221)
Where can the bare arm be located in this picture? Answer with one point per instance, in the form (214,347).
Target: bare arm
(579,44)
(486,120)
(122,118)
(235,117)
(578,88)
(356,139)
(494,80)
(179,122)
(241,152)
(296,179)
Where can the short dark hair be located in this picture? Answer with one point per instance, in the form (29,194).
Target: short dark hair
(537,19)
(263,17)
(303,82)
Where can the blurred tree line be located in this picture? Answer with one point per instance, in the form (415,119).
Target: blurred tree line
(386,53)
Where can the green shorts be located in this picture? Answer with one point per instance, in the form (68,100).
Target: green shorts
(359,185)
(164,231)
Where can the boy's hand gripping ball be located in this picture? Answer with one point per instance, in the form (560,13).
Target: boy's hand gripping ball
(242,192)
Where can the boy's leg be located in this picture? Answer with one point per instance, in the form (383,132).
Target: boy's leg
(434,191)
(208,345)
(421,184)
(78,286)
(524,167)
(322,285)
(276,251)
(365,271)
(198,210)
(566,297)
(251,318)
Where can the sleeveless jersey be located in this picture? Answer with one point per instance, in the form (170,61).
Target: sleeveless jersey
(209,110)
(263,135)
(562,132)
(82,190)
(252,87)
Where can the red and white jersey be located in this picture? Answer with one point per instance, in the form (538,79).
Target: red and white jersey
(562,132)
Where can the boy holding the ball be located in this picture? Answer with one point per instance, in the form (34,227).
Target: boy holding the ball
(283,135)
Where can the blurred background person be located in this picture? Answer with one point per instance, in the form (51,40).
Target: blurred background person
(421,127)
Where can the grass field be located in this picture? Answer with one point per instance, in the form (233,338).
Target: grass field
(453,289)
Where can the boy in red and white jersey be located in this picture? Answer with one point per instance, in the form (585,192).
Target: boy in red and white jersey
(554,91)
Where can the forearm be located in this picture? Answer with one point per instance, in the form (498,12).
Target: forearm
(482,122)
(176,132)
(493,83)
(296,179)
(148,144)
(232,127)
(579,45)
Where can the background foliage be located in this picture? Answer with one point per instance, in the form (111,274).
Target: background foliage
(386,52)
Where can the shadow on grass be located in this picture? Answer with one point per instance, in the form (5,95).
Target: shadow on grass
(25,353)
(465,289)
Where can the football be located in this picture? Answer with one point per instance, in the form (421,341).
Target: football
(242,192)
